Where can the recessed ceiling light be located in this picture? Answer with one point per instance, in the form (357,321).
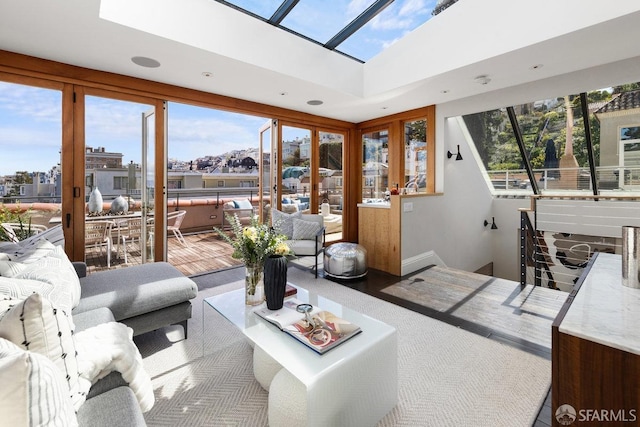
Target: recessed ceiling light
(315,102)
(207,73)
(483,79)
(143,61)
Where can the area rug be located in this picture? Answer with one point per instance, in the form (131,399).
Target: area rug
(447,376)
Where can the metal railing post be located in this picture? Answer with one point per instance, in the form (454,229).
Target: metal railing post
(523,249)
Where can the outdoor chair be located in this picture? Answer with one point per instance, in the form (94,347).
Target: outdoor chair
(97,235)
(130,231)
(174,221)
(14,230)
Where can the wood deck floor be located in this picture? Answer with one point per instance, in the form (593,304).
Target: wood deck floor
(205,252)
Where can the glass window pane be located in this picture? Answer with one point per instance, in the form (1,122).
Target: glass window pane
(390,25)
(415,159)
(375,164)
(554,139)
(30,172)
(296,162)
(304,18)
(497,147)
(330,183)
(617,127)
(263,8)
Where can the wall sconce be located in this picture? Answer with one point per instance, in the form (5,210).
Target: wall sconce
(493,223)
(458,156)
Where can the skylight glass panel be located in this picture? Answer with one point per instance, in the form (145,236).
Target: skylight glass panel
(321,20)
(263,8)
(393,23)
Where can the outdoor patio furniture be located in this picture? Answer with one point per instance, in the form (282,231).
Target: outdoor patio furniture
(97,235)
(174,221)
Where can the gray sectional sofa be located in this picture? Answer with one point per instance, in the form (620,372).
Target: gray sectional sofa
(144,297)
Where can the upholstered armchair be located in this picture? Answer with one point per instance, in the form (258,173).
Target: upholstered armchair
(305,233)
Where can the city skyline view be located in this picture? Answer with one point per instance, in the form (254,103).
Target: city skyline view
(30,123)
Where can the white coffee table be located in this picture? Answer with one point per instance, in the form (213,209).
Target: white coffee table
(353,384)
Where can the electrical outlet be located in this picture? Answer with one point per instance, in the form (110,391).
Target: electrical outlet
(407,207)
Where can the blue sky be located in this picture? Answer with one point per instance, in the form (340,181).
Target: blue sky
(30,129)
(321,20)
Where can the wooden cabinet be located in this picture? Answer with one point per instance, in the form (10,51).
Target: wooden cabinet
(379,233)
(596,349)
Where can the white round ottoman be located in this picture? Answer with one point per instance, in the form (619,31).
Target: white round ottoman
(287,401)
(345,260)
(264,367)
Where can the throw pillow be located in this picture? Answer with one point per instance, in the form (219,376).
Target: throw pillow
(35,325)
(243,204)
(32,252)
(22,288)
(283,222)
(33,392)
(56,270)
(305,230)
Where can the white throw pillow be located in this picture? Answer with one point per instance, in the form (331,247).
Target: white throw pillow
(22,288)
(305,230)
(35,325)
(56,270)
(31,252)
(243,204)
(33,392)
(283,222)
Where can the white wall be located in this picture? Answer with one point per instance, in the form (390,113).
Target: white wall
(451,225)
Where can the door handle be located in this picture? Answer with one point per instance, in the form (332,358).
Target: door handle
(68,220)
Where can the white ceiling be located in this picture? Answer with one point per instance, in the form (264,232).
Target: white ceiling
(251,60)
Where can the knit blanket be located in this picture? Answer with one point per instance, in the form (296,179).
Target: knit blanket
(109,347)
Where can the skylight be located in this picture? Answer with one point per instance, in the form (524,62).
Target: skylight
(370,25)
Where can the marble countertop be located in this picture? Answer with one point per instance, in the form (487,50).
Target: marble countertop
(605,311)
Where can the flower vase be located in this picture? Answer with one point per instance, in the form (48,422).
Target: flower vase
(254,284)
(275,281)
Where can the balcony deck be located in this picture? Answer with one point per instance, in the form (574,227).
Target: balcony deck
(205,252)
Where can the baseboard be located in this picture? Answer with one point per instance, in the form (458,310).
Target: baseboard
(421,261)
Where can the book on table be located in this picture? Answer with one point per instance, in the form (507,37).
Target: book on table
(322,333)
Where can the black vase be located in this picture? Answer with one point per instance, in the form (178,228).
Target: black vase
(275,281)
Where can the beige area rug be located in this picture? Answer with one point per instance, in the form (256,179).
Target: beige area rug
(499,305)
(447,376)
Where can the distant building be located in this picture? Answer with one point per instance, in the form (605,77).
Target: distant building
(99,158)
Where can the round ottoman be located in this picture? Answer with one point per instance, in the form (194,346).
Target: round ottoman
(287,401)
(345,260)
(264,367)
